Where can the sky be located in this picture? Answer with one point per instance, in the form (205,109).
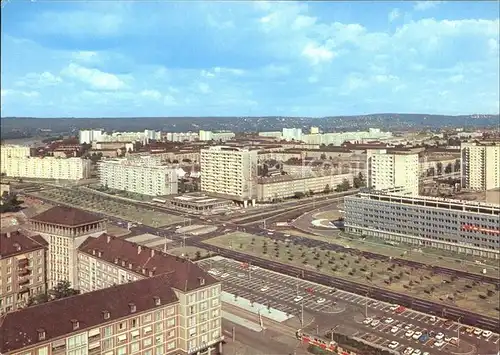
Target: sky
(248,58)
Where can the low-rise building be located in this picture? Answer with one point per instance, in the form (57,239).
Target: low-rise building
(286,186)
(23,261)
(106,261)
(221,136)
(65,229)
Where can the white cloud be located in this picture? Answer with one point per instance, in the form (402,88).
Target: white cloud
(17,93)
(39,80)
(169,100)
(493,46)
(151,94)
(86,56)
(457,78)
(204,88)
(317,54)
(426,5)
(93,77)
(394,15)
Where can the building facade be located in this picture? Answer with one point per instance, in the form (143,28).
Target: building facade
(480,166)
(285,186)
(65,229)
(106,261)
(12,151)
(48,168)
(87,136)
(229,173)
(290,134)
(457,226)
(23,261)
(215,136)
(139,174)
(140,317)
(389,170)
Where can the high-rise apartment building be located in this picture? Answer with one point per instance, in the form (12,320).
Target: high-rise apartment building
(106,261)
(215,136)
(142,317)
(387,170)
(143,175)
(480,166)
(292,134)
(22,269)
(87,136)
(229,172)
(65,229)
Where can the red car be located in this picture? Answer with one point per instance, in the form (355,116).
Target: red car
(400,310)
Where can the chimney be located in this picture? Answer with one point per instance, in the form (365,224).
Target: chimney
(157,300)
(123,262)
(99,253)
(41,334)
(143,271)
(139,249)
(75,324)
(105,314)
(202,281)
(93,251)
(130,266)
(108,239)
(152,252)
(132,307)
(7,234)
(116,260)
(151,273)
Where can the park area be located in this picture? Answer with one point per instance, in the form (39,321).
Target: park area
(421,283)
(94,202)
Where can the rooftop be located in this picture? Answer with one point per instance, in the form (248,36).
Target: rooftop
(22,328)
(67,216)
(13,243)
(146,261)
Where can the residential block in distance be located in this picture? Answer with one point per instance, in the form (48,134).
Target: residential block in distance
(480,165)
(23,261)
(387,170)
(106,261)
(230,172)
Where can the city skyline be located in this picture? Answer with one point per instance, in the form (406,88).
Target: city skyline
(249,58)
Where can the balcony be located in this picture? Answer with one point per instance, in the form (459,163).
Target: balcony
(22,263)
(24,282)
(23,272)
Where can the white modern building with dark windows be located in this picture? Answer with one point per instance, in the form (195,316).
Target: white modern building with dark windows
(454,225)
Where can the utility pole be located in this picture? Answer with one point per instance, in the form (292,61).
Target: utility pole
(302,314)
(458,331)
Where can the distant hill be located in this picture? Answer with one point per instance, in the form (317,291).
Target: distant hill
(13,127)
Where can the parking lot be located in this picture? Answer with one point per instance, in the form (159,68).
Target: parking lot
(280,291)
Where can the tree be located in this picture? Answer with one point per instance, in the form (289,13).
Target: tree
(299,194)
(37,299)
(439,168)
(448,169)
(327,189)
(457,165)
(323,156)
(62,290)
(198,255)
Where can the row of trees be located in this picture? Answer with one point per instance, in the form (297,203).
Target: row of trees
(63,289)
(9,203)
(358,181)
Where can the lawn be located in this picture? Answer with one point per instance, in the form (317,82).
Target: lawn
(421,283)
(121,209)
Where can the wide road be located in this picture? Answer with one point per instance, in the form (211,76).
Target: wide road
(465,317)
(339,307)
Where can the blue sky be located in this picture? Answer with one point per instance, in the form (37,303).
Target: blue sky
(111,58)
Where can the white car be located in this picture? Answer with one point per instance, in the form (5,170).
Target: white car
(408,326)
(375,322)
(416,352)
(265,288)
(388,320)
(214,272)
(417,335)
(439,343)
(393,345)
(408,351)
(368,321)
(425,353)
(224,275)
(433,319)
(486,333)
(241,275)
(447,339)
(253,267)
(394,307)
(478,331)
(320,300)
(439,336)
(409,333)
(394,330)
(298,299)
